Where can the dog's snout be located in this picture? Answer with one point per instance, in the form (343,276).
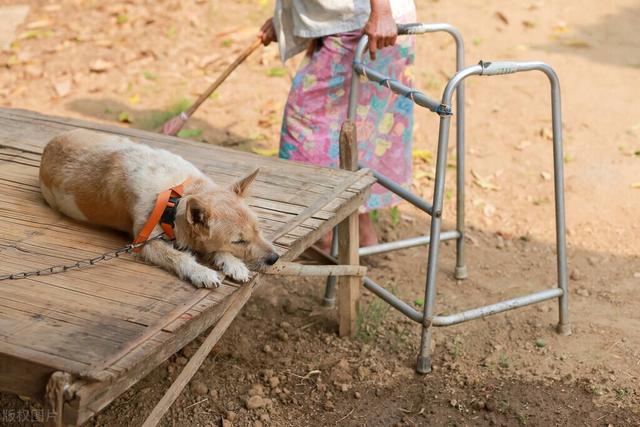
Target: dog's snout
(271,259)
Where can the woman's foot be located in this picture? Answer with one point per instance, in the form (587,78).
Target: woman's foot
(368,235)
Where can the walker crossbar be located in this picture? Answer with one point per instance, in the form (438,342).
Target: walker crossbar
(456,84)
(406,243)
(399,190)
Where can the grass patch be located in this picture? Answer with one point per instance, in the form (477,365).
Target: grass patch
(395,216)
(158,118)
(375,216)
(149,75)
(190,133)
(276,72)
(621,393)
(503,362)
(370,319)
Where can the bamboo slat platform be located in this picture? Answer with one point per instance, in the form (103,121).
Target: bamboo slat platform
(109,325)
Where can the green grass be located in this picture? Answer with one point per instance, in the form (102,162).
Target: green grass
(149,75)
(370,319)
(158,118)
(190,133)
(374,215)
(276,72)
(395,216)
(503,362)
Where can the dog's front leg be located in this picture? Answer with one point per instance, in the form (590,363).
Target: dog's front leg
(232,266)
(181,263)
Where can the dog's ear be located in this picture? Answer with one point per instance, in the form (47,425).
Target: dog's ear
(240,187)
(197,214)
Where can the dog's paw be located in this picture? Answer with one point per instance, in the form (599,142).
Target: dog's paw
(237,271)
(205,278)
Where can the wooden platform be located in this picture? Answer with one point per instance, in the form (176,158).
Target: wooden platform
(118,320)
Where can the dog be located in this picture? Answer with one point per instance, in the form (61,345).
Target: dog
(111,181)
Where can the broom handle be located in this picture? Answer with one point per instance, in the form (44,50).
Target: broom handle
(239,60)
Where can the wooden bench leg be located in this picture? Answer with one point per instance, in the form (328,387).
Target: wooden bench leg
(348,239)
(54,398)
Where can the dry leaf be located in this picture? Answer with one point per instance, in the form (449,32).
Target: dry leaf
(489,210)
(429,174)
(561,27)
(528,24)
(523,144)
(36,25)
(267,152)
(484,183)
(422,154)
(501,16)
(546,134)
(636,185)
(577,43)
(62,87)
(546,176)
(100,66)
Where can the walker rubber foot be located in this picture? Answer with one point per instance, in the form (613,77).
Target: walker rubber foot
(329,302)
(564,329)
(423,365)
(461,273)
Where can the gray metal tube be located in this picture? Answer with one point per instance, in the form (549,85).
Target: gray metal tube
(393,300)
(330,288)
(406,243)
(505,67)
(401,191)
(424,358)
(499,307)
(564,327)
(460,272)
(397,87)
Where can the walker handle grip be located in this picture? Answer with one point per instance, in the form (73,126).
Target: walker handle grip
(414,28)
(497,68)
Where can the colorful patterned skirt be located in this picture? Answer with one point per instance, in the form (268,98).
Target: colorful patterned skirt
(317,107)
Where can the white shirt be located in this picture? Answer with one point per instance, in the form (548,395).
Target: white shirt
(298,21)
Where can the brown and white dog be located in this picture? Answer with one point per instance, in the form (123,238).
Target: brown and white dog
(111,181)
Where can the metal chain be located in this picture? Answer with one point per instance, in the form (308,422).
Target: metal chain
(57,269)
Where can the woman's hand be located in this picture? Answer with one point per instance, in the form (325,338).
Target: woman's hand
(381,27)
(268,32)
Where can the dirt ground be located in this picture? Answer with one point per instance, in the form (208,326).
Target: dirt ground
(136,62)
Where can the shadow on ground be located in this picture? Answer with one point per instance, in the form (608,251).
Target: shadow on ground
(111,110)
(606,41)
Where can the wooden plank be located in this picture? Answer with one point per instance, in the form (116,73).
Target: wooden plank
(295,201)
(348,239)
(91,397)
(317,205)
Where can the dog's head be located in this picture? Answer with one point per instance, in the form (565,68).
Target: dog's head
(220,220)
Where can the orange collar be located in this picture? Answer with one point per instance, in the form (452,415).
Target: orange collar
(163,214)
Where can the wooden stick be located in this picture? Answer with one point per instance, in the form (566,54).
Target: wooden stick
(198,358)
(295,269)
(239,60)
(348,239)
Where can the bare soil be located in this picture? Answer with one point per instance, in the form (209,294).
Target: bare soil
(137,61)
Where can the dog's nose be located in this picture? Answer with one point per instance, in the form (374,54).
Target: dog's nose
(271,259)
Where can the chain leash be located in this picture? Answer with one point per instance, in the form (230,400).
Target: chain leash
(57,269)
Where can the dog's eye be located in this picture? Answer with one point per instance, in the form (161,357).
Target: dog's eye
(239,242)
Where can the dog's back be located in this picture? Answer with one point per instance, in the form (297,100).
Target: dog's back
(106,179)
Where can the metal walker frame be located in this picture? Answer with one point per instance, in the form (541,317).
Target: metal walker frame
(427,318)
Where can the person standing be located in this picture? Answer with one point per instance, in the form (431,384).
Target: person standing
(329,31)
